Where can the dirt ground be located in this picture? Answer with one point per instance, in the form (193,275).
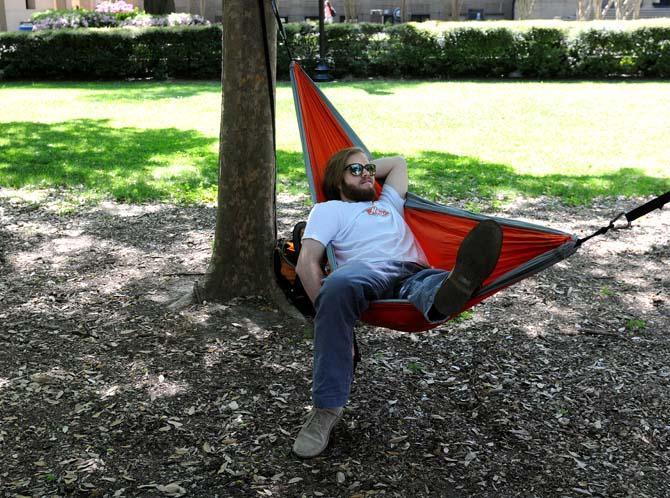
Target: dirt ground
(558,386)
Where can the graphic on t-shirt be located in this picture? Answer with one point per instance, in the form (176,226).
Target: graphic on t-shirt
(376,211)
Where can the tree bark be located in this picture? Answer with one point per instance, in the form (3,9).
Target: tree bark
(597,9)
(524,8)
(637,6)
(404,10)
(3,16)
(581,10)
(350,11)
(454,7)
(241,262)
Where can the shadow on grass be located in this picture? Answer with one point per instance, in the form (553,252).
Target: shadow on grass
(138,91)
(375,87)
(129,164)
(127,90)
(438,174)
(167,164)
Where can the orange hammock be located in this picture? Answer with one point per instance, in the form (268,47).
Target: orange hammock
(527,248)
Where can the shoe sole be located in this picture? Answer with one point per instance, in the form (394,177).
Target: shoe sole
(476,258)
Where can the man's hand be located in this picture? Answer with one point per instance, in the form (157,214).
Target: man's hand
(309,267)
(393,170)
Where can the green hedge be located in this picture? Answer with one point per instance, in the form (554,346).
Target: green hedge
(189,52)
(429,50)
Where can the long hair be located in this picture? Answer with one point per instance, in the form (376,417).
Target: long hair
(332,179)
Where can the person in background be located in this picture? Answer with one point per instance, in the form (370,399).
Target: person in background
(329,12)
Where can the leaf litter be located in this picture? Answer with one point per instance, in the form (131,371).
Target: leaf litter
(558,386)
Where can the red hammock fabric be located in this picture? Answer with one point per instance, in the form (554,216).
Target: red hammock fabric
(324,132)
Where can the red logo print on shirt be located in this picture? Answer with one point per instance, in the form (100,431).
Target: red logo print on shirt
(376,211)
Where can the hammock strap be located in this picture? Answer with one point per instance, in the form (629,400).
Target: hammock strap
(632,215)
(268,71)
(282,31)
(647,208)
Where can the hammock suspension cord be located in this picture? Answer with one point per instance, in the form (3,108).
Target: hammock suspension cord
(281,30)
(268,71)
(632,215)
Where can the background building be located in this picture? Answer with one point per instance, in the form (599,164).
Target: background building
(18,11)
(13,12)
(418,10)
(567,9)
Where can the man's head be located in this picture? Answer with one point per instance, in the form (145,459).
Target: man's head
(348,177)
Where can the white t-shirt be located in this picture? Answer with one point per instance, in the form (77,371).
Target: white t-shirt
(365,231)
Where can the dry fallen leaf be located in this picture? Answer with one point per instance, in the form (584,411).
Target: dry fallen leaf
(172,489)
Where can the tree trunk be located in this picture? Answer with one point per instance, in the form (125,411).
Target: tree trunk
(597,9)
(3,16)
(581,10)
(524,8)
(607,7)
(404,6)
(350,11)
(159,7)
(637,5)
(241,263)
(454,9)
(585,10)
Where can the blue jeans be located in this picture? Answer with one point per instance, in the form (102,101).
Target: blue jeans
(344,296)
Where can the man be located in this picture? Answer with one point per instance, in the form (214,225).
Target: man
(377,257)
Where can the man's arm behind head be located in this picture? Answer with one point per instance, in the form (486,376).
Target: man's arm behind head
(393,170)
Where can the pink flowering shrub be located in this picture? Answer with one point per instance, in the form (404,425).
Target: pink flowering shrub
(114,7)
(110,15)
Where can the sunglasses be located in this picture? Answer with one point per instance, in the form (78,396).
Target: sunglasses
(357,168)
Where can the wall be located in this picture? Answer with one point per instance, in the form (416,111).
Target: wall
(3,16)
(16,11)
(550,9)
(297,10)
(294,10)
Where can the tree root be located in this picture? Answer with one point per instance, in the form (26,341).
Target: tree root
(274,294)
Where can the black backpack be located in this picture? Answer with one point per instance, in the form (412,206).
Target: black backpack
(285,259)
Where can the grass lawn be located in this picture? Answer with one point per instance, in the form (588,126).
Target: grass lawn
(494,140)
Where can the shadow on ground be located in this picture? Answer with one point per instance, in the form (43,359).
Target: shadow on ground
(556,385)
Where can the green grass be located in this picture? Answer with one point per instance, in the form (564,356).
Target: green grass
(414,367)
(486,140)
(606,292)
(636,324)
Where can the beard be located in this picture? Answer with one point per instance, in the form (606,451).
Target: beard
(358,194)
